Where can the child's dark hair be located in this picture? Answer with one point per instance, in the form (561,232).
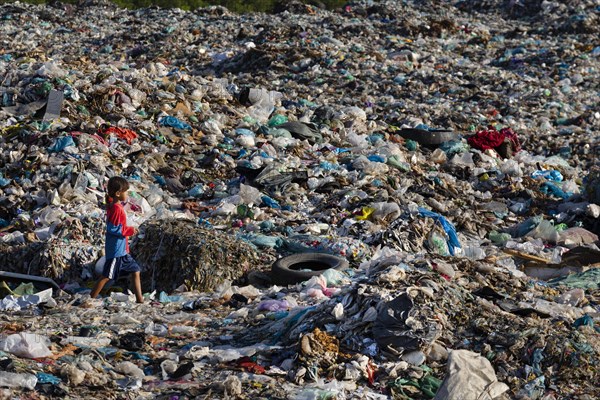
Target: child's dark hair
(114,185)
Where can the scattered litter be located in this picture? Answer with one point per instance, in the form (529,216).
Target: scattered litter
(384,200)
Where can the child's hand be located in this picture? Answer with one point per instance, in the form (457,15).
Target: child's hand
(135,231)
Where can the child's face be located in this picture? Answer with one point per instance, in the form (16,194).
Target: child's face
(122,195)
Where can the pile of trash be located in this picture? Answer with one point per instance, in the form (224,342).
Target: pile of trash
(176,253)
(447,152)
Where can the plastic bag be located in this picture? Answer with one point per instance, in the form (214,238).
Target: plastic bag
(269,202)
(130,369)
(263,104)
(156,329)
(576,236)
(249,194)
(263,241)
(273,305)
(174,123)
(463,159)
(137,210)
(26,345)
(550,175)
(386,211)
(545,231)
(473,252)
(499,239)
(334,277)
(61,143)
(470,376)
(437,243)
(338,311)
(314,394)
(453,241)
(12,380)
(512,168)
(439,156)
(356,140)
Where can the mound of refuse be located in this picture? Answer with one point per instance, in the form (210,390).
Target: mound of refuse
(447,151)
(173,253)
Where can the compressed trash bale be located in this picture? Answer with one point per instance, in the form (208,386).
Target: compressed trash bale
(177,252)
(428,137)
(55,259)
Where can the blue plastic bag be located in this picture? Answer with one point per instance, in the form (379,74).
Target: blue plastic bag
(196,191)
(551,189)
(61,143)
(4,181)
(585,320)
(263,241)
(174,123)
(270,202)
(550,175)
(164,298)
(327,166)
(453,241)
(47,378)
(376,158)
(244,132)
(160,180)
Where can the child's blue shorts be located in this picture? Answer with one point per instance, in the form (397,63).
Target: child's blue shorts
(115,267)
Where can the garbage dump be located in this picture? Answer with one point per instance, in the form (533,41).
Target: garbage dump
(425,174)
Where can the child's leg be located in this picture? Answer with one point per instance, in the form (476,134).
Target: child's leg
(98,287)
(137,287)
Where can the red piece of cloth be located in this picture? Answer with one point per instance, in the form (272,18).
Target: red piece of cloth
(490,138)
(122,133)
(371,373)
(250,366)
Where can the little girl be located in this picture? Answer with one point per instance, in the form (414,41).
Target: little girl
(118,260)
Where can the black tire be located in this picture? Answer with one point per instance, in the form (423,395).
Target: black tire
(428,138)
(301,267)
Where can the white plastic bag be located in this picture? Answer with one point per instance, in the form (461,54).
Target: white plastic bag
(27,345)
(249,194)
(469,377)
(12,380)
(263,104)
(130,369)
(545,231)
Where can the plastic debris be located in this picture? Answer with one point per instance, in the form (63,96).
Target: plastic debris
(447,153)
(470,376)
(26,345)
